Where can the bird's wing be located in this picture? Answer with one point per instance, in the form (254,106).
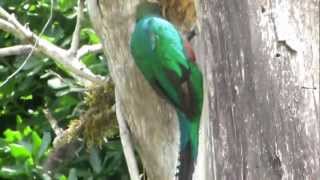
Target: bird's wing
(168,46)
(173,73)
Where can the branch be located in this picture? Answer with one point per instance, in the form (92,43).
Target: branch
(8,27)
(86,49)
(59,55)
(12,19)
(76,34)
(53,122)
(126,143)
(15,50)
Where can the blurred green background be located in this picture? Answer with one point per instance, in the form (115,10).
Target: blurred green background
(25,134)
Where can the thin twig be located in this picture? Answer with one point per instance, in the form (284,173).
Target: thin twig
(53,122)
(75,43)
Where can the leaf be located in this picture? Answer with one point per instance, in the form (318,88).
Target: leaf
(19,120)
(26,131)
(63,177)
(36,142)
(9,171)
(66,4)
(29,162)
(72,174)
(18,151)
(91,34)
(46,140)
(28,97)
(12,136)
(3,69)
(65,102)
(95,160)
(32,63)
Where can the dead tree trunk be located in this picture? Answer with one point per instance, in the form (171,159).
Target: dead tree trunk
(261,64)
(261,61)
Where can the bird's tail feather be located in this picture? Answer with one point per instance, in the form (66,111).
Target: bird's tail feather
(186,166)
(186,158)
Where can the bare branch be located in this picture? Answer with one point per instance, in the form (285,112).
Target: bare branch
(8,27)
(59,55)
(53,122)
(76,34)
(127,143)
(84,50)
(15,50)
(4,13)
(12,19)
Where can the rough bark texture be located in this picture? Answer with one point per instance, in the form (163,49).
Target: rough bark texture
(152,121)
(261,61)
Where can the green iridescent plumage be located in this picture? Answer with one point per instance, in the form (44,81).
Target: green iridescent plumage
(167,64)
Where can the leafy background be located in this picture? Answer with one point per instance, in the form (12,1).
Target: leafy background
(26,136)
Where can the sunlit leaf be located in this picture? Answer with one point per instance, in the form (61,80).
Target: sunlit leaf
(63,177)
(19,151)
(66,4)
(12,136)
(28,97)
(90,34)
(36,142)
(26,131)
(29,162)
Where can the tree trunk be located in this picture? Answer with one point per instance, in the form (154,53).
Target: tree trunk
(260,60)
(152,121)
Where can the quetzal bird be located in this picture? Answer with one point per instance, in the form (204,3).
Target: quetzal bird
(168,64)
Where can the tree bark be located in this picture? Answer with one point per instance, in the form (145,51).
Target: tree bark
(152,121)
(260,60)
(261,63)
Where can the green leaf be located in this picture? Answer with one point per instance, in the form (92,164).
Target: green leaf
(72,174)
(32,63)
(26,131)
(66,102)
(9,171)
(29,162)
(3,69)
(90,34)
(28,97)
(95,161)
(66,4)
(49,38)
(46,140)
(12,136)
(36,142)
(19,120)
(18,151)
(63,177)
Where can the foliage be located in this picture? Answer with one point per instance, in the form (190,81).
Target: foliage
(21,151)
(26,136)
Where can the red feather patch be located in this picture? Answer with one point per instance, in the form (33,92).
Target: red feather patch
(190,53)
